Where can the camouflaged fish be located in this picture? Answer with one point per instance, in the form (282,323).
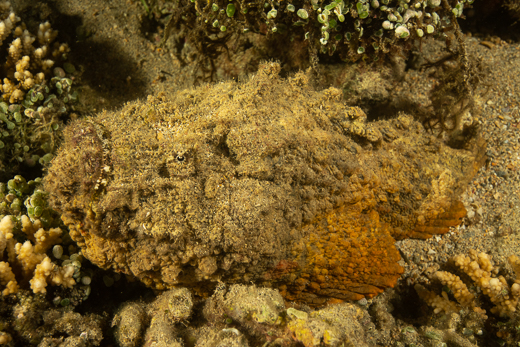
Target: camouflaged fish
(267,181)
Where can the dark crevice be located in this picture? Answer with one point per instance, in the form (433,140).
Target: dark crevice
(491,18)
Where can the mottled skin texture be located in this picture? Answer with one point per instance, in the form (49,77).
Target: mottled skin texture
(266,181)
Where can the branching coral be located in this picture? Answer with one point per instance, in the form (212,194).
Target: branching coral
(36,267)
(35,91)
(479,267)
(28,230)
(19,197)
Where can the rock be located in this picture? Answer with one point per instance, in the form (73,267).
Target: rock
(175,305)
(244,304)
(130,323)
(222,338)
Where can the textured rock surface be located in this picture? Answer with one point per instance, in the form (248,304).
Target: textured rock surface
(266,181)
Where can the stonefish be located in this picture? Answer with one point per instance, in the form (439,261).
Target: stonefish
(267,181)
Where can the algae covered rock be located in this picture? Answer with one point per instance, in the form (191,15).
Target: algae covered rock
(260,314)
(336,325)
(266,181)
(129,324)
(222,338)
(140,324)
(245,304)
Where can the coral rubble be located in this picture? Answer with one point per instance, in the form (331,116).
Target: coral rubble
(267,181)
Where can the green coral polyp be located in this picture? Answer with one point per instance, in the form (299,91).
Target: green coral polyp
(230,10)
(303,14)
(292,20)
(362,10)
(331,6)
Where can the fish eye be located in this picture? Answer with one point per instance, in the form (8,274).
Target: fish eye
(180,158)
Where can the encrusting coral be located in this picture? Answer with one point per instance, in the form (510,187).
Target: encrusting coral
(479,267)
(24,57)
(266,181)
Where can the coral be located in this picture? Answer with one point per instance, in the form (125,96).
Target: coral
(30,236)
(171,307)
(31,259)
(139,324)
(179,304)
(19,197)
(35,322)
(155,322)
(479,267)
(25,215)
(7,279)
(349,30)
(439,303)
(332,326)
(29,229)
(267,181)
(161,334)
(81,329)
(37,98)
